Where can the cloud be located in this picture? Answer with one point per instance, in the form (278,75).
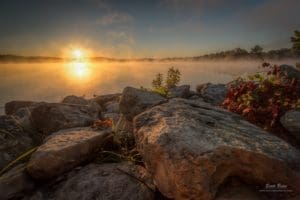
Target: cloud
(121,37)
(274,15)
(115,18)
(196,5)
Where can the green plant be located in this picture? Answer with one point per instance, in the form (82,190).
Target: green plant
(264,98)
(173,78)
(162,87)
(157,82)
(163,91)
(122,147)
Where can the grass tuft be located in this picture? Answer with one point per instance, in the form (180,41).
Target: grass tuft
(21,157)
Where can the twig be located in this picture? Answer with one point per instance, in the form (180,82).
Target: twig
(138,179)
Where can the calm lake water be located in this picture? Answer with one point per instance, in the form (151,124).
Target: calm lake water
(52,81)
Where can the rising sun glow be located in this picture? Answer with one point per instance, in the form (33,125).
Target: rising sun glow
(78,67)
(77,54)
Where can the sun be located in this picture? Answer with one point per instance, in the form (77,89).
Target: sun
(77,53)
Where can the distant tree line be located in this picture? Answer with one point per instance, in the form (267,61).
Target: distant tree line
(16,58)
(257,52)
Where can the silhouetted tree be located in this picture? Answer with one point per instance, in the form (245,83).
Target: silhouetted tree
(257,50)
(157,81)
(296,42)
(173,77)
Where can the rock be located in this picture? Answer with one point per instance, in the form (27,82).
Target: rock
(23,116)
(193,93)
(112,116)
(191,148)
(194,97)
(12,106)
(234,190)
(64,150)
(14,141)
(112,181)
(51,117)
(72,99)
(212,93)
(15,183)
(290,71)
(112,107)
(107,181)
(134,101)
(291,121)
(182,91)
(103,99)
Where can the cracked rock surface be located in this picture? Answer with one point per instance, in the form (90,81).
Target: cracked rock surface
(191,148)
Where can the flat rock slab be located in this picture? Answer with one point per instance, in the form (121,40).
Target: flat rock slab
(191,148)
(52,117)
(122,181)
(12,106)
(134,101)
(64,150)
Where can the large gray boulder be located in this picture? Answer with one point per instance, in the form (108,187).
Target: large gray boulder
(134,101)
(291,121)
(64,150)
(212,93)
(290,71)
(191,148)
(72,99)
(122,181)
(14,141)
(103,99)
(182,91)
(51,117)
(12,106)
(15,183)
(112,107)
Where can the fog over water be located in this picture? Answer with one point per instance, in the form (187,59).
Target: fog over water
(52,81)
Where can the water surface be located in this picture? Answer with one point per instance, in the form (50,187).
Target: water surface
(52,81)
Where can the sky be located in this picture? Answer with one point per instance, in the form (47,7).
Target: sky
(145,28)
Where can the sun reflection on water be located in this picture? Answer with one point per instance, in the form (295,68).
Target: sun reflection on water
(79,70)
(78,66)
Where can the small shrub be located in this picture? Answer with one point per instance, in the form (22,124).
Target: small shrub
(162,87)
(173,78)
(263,99)
(121,146)
(158,81)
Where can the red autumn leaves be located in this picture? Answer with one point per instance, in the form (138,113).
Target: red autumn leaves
(264,97)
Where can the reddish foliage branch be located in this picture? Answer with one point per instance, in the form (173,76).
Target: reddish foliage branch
(264,97)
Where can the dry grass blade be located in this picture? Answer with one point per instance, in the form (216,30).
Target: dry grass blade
(24,155)
(136,178)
